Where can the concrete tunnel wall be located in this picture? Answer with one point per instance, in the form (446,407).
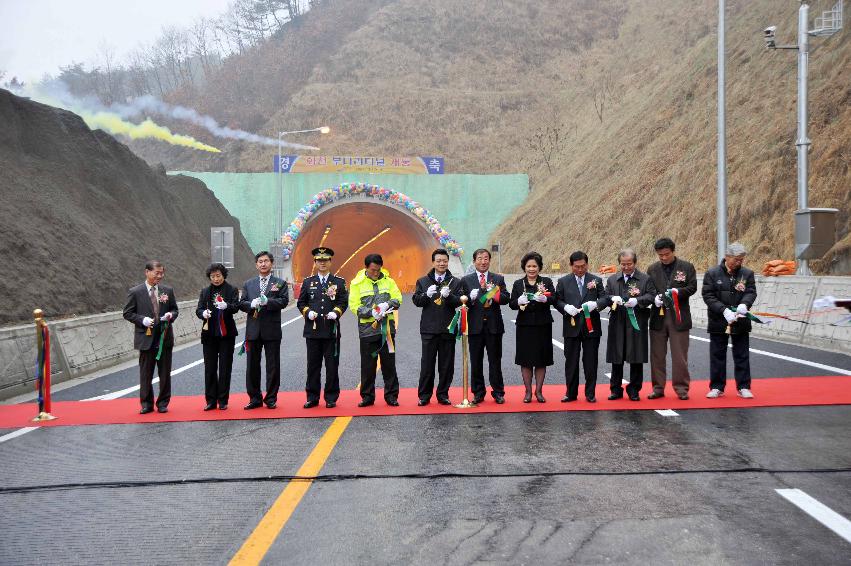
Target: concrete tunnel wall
(405,247)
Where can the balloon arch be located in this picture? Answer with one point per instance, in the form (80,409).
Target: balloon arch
(346,190)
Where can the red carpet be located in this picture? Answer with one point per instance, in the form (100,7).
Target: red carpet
(772,392)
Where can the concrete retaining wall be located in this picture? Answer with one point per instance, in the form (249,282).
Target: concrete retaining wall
(80,346)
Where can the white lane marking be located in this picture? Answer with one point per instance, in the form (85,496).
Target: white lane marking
(818,511)
(123,392)
(840,371)
(17,433)
(667,412)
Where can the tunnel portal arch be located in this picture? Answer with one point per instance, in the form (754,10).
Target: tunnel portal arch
(357,219)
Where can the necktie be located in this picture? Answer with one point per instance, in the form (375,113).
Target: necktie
(482,281)
(581,282)
(439,279)
(155,303)
(322,281)
(263,282)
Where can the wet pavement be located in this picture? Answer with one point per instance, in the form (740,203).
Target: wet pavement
(620,487)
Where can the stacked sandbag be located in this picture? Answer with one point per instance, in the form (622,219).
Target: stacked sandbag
(777,267)
(607,269)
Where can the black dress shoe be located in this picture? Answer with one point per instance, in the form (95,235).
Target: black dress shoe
(499,400)
(330,404)
(614,397)
(253,405)
(528,397)
(162,409)
(145,410)
(655,395)
(444,401)
(366,403)
(223,406)
(591,399)
(634,398)
(683,396)
(311,404)
(422,402)
(540,398)
(210,407)
(271,405)
(393,403)
(567,399)
(479,400)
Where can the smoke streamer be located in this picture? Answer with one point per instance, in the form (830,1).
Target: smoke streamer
(148,129)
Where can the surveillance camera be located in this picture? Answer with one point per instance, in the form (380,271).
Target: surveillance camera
(768,36)
(769,31)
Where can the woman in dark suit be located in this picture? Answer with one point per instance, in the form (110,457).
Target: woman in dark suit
(532,296)
(216,306)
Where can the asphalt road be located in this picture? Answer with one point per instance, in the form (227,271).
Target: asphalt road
(620,487)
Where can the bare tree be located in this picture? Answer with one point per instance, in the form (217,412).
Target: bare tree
(137,73)
(200,40)
(548,142)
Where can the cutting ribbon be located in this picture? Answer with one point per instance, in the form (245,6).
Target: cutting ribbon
(588,324)
(749,316)
(243,348)
(42,370)
(674,295)
(163,332)
(386,338)
(632,320)
(491,294)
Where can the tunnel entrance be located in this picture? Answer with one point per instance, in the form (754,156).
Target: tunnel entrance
(355,229)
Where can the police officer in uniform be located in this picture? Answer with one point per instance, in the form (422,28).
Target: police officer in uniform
(322,301)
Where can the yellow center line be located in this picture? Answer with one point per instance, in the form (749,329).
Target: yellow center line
(258,543)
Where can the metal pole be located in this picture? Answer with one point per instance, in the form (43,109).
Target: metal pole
(280,223)
(721,204)
(802,143)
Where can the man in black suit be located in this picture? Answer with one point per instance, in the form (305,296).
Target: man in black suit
(322,301)
(633,291)
(263,298)
(729,291)
(151,306)
(574,292)
(674,278)
(438,294)
(485,326)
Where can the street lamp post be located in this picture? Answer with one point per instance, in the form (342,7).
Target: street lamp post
(828,24)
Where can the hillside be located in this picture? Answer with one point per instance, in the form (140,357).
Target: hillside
(81,215)
(628,87)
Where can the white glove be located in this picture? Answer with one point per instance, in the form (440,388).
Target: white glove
(431,291)
(657,300)
(523,299)
(312,315)
(166,317)
(541,298)
(592,305)
(331,316)
(617,299)
(742,309)
(631,303)
(147,321)
(444,292)
(263,299)
(384,308)
(377,315)
(221,305)
(474,294)
(255,303)
(206,314)
(730,316)
(571,310)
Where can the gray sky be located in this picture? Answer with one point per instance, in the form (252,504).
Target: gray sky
(37,36)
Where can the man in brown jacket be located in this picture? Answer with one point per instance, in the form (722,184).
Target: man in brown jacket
(676,281)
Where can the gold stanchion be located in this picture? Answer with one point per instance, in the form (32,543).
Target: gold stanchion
(465,365)
(42,334)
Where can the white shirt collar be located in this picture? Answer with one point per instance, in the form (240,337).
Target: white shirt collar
(151,287)
(480,273)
